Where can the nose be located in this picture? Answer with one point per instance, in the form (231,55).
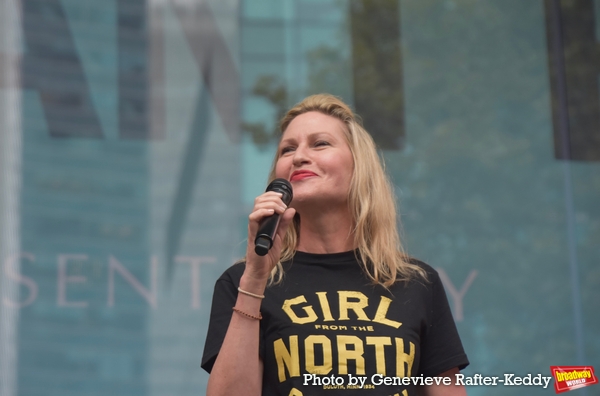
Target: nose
(301,156)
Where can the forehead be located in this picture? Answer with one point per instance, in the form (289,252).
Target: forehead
(312,123)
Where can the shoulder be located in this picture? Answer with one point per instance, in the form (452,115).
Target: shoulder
(431,273)
(415,261)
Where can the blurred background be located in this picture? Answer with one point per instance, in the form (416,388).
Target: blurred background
(135,134)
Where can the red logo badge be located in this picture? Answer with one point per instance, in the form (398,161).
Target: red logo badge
(567,378)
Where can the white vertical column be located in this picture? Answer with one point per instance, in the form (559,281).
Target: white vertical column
(10,184)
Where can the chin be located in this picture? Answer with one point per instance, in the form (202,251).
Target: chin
(301,200)
(317,201)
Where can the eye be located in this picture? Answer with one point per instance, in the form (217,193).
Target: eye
(285,149)
(320,143)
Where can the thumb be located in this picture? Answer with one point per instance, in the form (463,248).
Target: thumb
(285,221)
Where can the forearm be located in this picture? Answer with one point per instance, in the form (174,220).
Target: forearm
(238,369)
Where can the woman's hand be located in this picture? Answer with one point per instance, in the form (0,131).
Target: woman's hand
(258,268)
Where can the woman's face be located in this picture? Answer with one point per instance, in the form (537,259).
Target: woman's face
(315,157)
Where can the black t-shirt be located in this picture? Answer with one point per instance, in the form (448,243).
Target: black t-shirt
(326,329)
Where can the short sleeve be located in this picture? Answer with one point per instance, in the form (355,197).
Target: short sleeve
(224,297)
(441,348)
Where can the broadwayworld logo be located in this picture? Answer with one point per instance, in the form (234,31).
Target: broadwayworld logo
(568,378)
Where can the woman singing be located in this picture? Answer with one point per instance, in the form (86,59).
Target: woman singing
(336,307)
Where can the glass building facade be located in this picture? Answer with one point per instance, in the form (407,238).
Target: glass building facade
(135,135)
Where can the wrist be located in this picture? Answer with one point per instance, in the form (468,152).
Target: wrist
(255,285)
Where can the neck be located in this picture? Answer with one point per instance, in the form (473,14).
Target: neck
(326,232)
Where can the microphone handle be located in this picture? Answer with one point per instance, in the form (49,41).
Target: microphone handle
(266,233)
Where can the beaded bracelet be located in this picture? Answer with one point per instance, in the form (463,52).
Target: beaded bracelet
(259,317)
(261,296)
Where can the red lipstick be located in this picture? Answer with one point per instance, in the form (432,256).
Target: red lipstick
(301,174)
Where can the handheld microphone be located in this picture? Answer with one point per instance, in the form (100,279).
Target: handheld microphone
(268,226)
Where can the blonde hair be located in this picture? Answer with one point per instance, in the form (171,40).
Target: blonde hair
(371,200)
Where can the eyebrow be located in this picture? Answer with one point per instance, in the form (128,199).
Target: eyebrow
(313,134)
